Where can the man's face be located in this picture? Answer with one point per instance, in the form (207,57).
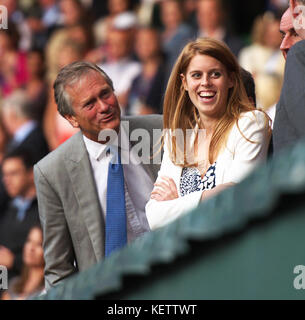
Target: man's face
(170,14)
(119,44)
(209,15)
(17,178)
(298,17)
(290,37)
(147,44)
(94,104)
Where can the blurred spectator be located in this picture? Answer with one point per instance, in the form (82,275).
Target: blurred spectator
(50,12)
(264,60)
(73,12)
(103,25)
(121,68)
(289,118)
(78,34)
(211,18)
(25,132)
(22,211)
(289,38)
(126,21)
(4,138)
(189,10)
(98,9)
(175,34)
(71,42)
(43,22)
(18,19)
(36,87)
(148,87)
(13,71)
(56,128)
(289,35)
(145,12)
(31,281)
(277,6)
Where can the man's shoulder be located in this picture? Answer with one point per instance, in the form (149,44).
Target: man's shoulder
(55,158)
(149,122)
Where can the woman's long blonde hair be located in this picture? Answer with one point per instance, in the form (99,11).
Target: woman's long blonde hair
(180,113)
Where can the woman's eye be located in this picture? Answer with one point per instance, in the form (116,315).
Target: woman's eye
(196,75)
(216,74)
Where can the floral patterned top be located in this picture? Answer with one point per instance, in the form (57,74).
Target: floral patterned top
(191,180)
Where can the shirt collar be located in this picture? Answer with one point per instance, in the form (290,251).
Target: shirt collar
(22,205)
(98,150)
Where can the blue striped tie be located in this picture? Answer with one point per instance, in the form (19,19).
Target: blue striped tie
(116,231)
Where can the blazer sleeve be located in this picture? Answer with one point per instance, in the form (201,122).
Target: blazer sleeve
(160,213)
(57,243)
(250,142)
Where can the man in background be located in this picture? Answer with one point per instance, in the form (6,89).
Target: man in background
(290,111)
(212,23)
(22,211)
(19,122)
(290,36)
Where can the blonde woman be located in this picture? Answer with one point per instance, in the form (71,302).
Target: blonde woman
(229,137)
(263,58)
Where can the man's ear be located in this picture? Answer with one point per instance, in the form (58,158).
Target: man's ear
(72,120)
(182,77)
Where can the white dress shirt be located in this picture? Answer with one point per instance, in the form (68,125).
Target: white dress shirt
(138,184)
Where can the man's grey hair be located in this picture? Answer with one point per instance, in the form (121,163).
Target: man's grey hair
(18,102)
(68,76)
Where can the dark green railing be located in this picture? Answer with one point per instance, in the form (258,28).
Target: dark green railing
(242,244)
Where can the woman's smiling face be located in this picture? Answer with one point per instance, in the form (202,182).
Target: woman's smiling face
(207,83)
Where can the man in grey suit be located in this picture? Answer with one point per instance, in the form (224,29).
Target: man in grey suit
(289,123)
(71,181)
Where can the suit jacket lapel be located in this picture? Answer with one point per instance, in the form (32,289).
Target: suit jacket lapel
(83,184)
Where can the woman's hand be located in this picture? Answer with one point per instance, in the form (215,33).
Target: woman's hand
(164,190)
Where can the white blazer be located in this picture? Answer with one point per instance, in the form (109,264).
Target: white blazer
(236,160)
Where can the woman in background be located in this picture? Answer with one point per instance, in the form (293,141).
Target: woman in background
(176,33)
(147,88)
(228,138)
(31,281)
(264,59)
